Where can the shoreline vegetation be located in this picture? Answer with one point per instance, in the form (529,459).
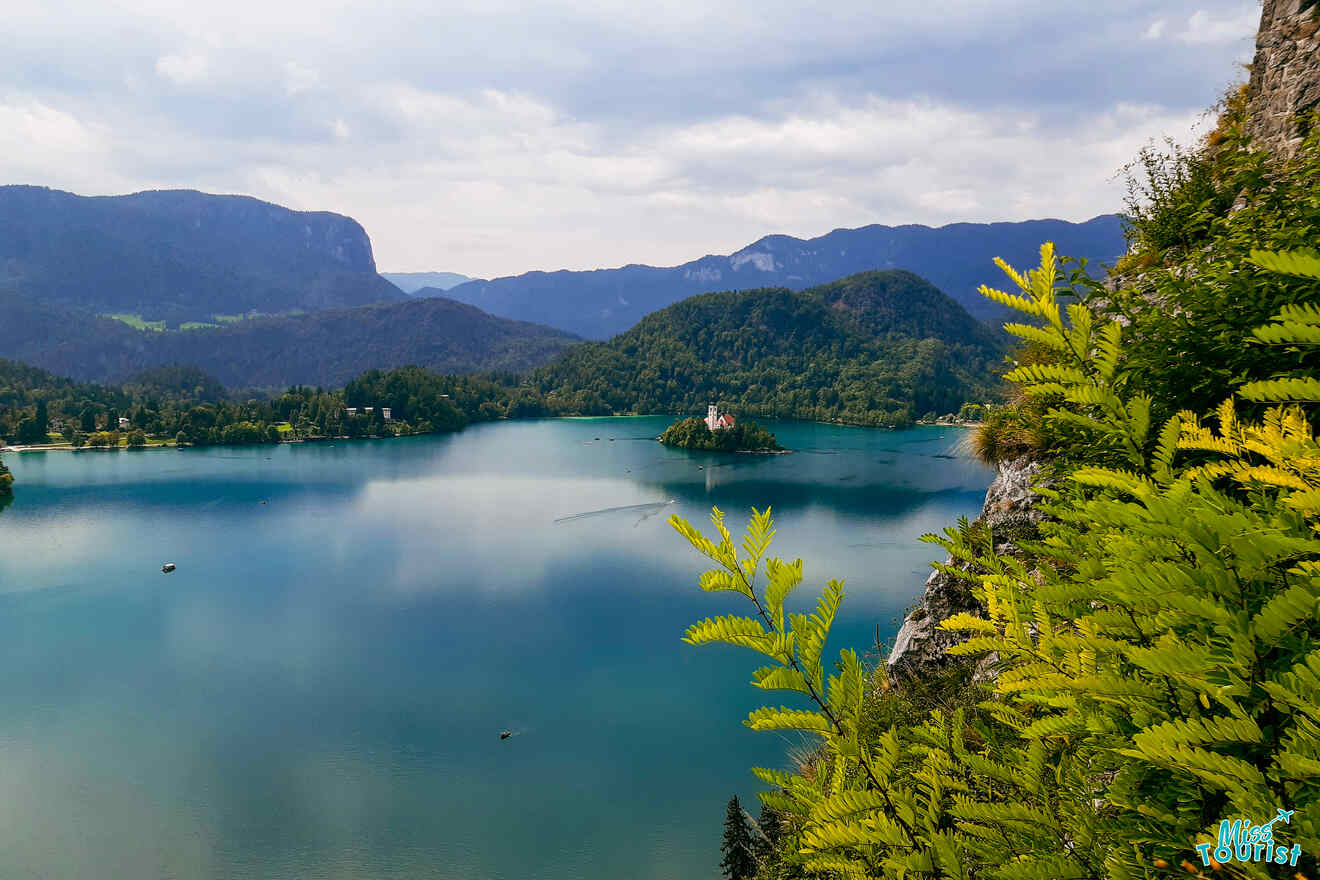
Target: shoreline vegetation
(181,406)
(693,433)
(155,443)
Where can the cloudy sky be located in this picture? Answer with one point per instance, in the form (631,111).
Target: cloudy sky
(496,137)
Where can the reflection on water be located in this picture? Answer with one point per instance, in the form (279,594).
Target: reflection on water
(647,510)
(318,690)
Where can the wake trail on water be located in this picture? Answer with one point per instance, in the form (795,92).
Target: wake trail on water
(651,508)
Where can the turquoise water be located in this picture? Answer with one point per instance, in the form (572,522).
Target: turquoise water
(318,690)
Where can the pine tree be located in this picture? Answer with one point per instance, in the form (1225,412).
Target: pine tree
(771,830)
(738,863)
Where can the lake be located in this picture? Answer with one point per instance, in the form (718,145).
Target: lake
(319,689)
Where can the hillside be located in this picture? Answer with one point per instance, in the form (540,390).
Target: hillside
(879,348)
(324,348)
(957,259)
(181,255)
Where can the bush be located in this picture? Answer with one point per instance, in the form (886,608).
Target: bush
(1197,306)
(1005,435)
(1156,652)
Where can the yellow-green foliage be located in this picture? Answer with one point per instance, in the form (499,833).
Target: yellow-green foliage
(1157,650)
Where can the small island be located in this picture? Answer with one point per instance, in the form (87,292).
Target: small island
(720,433)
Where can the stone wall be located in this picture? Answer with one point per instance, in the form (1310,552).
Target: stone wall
(1285,74)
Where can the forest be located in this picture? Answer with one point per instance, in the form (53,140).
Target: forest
(880,349)
(1142,668)
(742,436)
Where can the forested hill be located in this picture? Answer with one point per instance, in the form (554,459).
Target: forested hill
(181,255)
(325,348)
(879,348)
(957,259)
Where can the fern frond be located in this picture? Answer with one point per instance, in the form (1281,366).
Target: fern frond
(783,718)
(746,632)
(1302,263)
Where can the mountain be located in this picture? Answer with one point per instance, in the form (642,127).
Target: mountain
(180,255)
(957,259)
(324,348)
(413,283)
(877,348)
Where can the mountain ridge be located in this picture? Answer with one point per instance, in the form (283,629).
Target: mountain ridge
(956,258)
(413,282)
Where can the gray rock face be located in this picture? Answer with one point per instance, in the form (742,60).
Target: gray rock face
(1285,74)
(1011,512)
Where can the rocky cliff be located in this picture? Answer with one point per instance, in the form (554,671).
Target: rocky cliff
(1285,74)
(179,255)
(1011,513)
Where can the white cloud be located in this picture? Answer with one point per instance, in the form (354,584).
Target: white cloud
(39,142)
(298,79)
(535,134)
(1207,29)
(183,70)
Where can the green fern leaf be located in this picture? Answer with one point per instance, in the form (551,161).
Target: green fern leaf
(767,718)
(1303,263)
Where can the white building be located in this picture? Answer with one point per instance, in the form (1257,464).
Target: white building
(717,421)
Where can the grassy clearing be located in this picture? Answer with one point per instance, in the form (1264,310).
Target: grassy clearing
(137,322)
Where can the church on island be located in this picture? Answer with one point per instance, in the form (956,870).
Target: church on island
(717,421)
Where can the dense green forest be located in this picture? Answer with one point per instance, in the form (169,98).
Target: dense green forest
(743,436)
(879,348)
(1145,666)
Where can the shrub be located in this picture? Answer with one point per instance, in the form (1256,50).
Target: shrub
(1157,651)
